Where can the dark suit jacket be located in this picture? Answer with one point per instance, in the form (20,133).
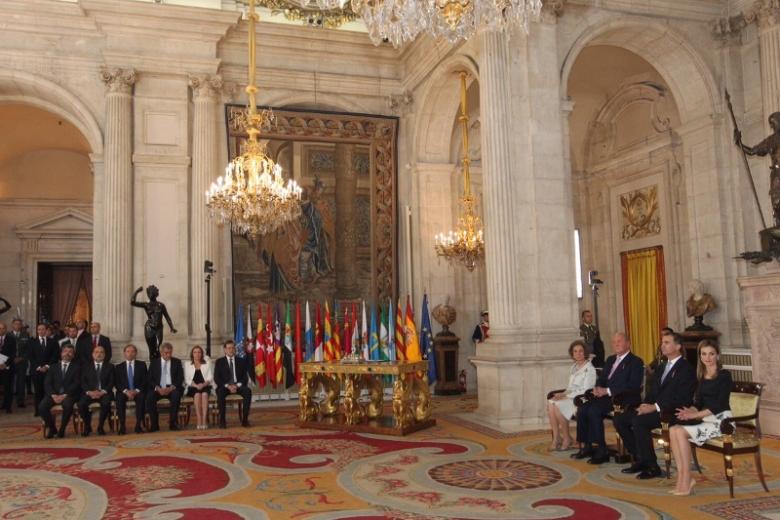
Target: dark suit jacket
(22,341)
(89,377)
(177,374)
(677,389)
(139,376)
(628,376)
(222,372)
(40,355)
(9,349)
(84,347)
(71,382)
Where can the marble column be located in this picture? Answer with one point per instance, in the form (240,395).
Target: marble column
(115,249)
(204,237)
(767,15)
(346,232)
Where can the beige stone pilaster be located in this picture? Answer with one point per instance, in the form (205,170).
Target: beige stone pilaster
(204,238)
(115,250)
(767,15)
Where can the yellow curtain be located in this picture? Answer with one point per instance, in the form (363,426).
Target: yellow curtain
(642,295)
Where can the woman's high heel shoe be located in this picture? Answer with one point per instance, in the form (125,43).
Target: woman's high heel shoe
(686,493)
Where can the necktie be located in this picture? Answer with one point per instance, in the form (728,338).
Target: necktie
(97,369)
(232,371)
(666,372)
(94,341)
(43,344)
(614,367)
(130,379)
(164,375)
(64,368)
(64,371)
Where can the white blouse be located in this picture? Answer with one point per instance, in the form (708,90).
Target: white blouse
(206,368)
(580,379)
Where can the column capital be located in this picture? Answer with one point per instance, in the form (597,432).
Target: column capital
(206,86)
(118,79)
(551,11)
(729,30)
(766,13)
(400,104)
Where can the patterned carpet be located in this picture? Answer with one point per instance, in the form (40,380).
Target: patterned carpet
(274,470)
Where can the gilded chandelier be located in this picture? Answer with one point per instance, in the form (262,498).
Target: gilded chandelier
(252,195)
(466,244)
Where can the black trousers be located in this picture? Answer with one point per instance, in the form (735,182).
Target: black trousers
(223,392)
(44,410)
(590,421)
(151,407)
(38,378)
(21,381)
(7,378)
(121,408)
(635,430)
(86,414)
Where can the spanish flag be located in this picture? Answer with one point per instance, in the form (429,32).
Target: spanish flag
(412,341)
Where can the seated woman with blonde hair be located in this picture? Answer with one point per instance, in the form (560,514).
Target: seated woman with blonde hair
(198,379)
(560,407)
(710,407)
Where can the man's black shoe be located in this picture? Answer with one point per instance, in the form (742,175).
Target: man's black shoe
(582,454)
(85,433)
(138,429)
(245,423)
(61,434)
(174,427)
(650,473)
(121,431)
(50,434)
(633,468)
(101,431)
(222,424)
(599,458)
(21,405)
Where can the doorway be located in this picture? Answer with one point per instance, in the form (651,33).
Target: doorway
(64,292)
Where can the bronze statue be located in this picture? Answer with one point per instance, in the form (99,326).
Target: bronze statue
(769,146)
(699,303)
(6,306)
(155,312)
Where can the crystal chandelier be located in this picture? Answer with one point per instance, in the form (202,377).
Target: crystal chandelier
(252,195)
(466,244)
(400,21)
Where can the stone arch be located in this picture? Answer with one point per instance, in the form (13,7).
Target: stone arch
(438,105)
(25,88)
(326,102)
(692,84)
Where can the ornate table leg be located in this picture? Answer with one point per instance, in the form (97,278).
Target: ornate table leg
(376,393)
(422,393)
(402,412)
(307,406)
(331,386)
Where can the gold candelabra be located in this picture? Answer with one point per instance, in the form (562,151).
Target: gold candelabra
(466,244)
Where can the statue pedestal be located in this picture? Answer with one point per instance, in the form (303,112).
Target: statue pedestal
(761,308)
(691,339)
(446,347)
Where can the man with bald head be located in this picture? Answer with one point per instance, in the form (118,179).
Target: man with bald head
(622,376)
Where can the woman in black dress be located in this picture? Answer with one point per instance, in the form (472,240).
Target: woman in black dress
(710,407)
(198,377)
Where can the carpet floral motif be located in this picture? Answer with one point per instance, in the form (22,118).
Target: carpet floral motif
(148,478)
(37,498)
(494,474)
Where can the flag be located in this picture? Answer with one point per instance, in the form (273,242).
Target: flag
(426,342)
(238,337)
(383,335)
(298,343)
(412,343)
(364,334)
(309,336)
(400,333)
(327,338)
(278,354)
(346,334)
(355,343)
(249,341)
(318,336)
(287,354)
(260,349)
(373,342)
(336,339)
(390,331)
(270,358)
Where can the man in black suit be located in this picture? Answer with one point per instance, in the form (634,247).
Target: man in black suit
(674,383)
(22,360)
(166,381)
(7,366)
(62,386)
(96,338)
(130,380)
(43,352)
(71,336)
(97,386)
(231,377)
(622,376)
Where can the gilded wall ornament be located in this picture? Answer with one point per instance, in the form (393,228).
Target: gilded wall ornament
(641,217)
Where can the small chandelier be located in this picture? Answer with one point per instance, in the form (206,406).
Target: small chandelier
(466,244)
(252,195)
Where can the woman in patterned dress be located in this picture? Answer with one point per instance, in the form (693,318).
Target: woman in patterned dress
(560,408)
(710,407)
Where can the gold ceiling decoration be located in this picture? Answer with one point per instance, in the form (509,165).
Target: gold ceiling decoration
(309,13)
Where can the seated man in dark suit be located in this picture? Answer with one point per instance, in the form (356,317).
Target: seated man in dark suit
(97,386)
(130,381)
(62,386)
(231,377)
(7,366)
(43,352)
(622,375)
(674,383)
(166,381)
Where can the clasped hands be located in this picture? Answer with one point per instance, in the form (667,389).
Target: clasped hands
(96,394)
(686,413)
(164,391)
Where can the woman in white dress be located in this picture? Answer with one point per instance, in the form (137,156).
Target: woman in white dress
(710,407)
(198,379)
(560,407)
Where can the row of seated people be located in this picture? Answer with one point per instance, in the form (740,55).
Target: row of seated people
(696,400)
(69,383)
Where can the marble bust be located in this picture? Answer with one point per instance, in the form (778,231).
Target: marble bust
(699,303)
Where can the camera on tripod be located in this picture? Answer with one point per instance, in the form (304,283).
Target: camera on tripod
(592,280)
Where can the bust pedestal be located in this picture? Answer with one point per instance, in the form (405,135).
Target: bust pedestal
(446,345)
(691,339)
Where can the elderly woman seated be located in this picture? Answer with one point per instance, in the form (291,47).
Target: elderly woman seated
(560,406)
